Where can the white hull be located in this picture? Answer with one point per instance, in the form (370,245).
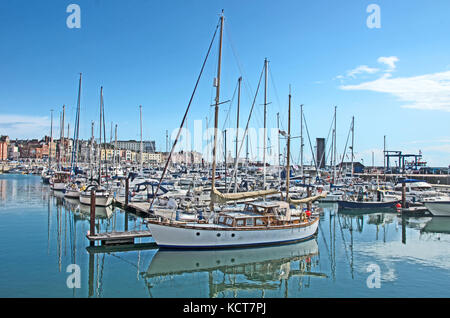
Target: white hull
(59,186)
(73,194)
(438,208)
(99,200)
(212,236)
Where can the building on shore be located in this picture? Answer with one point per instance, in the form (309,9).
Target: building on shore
(4,143)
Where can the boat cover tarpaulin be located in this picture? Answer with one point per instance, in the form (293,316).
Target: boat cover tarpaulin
(309,199)
(218,197)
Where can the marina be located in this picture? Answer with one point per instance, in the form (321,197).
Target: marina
(412,253)
(224,159)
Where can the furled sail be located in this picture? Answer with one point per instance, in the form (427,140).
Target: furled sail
(218,197)
(309,199)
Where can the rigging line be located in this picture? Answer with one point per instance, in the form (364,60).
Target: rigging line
(185,114)
(236,56)
(229,109)
(310,145)
(246,129)
(345,150)
(326,143)
(282,111)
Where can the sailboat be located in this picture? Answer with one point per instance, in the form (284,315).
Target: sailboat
(103,196)
(255,223)
(76,185)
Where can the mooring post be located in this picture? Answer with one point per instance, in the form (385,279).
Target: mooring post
(127,187)
(92,217)
(403,195)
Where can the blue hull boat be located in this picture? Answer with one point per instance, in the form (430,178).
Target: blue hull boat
(345,204)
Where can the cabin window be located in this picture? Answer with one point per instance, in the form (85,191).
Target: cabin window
(282,211)
(229,221)
(221,219)
(249,222)
(240,223)
(259,222)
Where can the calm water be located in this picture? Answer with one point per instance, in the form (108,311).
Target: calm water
(41,234)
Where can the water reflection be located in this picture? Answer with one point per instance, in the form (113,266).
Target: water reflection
(412,252)
(233,271)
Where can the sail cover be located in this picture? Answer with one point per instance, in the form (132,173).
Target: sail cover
(218,197)
(309,199)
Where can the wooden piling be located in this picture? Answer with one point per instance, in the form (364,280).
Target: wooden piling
(403,195)
(92,217)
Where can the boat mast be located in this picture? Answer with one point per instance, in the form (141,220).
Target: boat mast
(265,123)
(216,111)
(334,146)
(62,135)
(141,146)
(76,131)
(279,152)
(301,140)
(115,150)
(68,141)
(100,140)
(353,139)
(237,133)
(91,153)
(288,168)
(51,141)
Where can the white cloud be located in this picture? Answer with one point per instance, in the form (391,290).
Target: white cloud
(429,91)
(361,69)
(389,61)
(22,127)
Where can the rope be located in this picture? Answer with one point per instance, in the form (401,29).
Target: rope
(184,117)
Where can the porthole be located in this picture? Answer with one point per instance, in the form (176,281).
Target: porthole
(198,233)
(232,260)
(218,234)
(233,235)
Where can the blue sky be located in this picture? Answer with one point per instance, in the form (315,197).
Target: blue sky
(394,79)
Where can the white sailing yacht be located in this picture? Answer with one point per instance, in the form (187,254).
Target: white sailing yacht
(255,223)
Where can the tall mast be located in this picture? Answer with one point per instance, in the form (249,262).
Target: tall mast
(91,153)
(237,132)
(279,152)
(141,146)
(100,140)
(76,131)
(225,155)
(62,135)
(216,111)
(301,139)
(288,168)
(115,150)
(334,147)
(353,139)
(51,141)
(68,139)
(265,124)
